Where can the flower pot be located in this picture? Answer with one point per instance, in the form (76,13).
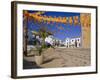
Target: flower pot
(38,59)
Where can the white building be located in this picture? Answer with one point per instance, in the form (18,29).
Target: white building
(78,40)
(54,41)
(49,40)
(73,42)
(67,42)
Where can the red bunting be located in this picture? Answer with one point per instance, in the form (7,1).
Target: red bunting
(26,14)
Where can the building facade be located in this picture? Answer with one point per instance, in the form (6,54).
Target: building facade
(73,42)
(69,42)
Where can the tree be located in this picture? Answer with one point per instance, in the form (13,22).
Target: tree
(43,33)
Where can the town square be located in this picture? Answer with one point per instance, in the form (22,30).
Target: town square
(56,39)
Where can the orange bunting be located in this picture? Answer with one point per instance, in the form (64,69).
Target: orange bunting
(70,20)
(76,20)
(26,14)
(84,19)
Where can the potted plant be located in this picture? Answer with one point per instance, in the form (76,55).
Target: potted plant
(40,48)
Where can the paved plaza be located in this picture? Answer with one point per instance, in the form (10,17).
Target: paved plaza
(61,57)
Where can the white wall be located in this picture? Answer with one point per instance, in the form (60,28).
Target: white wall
(5,43)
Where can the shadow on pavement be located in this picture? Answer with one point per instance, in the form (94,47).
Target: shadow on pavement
(30,65)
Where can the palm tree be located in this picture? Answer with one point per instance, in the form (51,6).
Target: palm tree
(43,33)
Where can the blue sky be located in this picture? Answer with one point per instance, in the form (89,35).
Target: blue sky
(68,31)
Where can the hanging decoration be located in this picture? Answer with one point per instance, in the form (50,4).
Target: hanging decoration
(83,19)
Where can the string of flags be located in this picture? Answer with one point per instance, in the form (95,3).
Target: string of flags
(83,19)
